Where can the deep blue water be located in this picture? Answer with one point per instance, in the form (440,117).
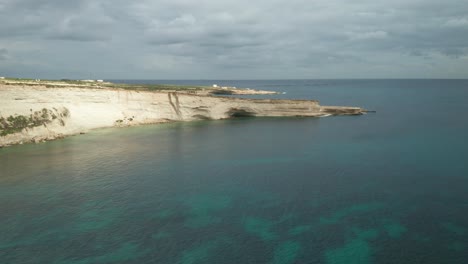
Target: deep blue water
(389,187)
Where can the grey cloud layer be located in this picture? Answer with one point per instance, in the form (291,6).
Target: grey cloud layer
(3,54)
(234,39)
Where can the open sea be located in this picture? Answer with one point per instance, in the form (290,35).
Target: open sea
(386,187)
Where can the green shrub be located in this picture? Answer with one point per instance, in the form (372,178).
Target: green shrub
(16,123)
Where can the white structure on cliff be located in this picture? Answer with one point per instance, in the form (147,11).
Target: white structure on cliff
(91,81)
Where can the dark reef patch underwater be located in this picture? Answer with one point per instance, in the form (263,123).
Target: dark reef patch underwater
(389,187)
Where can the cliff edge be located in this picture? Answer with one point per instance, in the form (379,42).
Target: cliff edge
(37,113)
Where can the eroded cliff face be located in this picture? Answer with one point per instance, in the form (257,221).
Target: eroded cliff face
(32,114)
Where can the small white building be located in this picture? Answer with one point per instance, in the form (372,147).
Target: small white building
(100,81)
(215,86)
(2,78)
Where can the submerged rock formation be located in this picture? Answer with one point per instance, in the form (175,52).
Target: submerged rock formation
(37,113)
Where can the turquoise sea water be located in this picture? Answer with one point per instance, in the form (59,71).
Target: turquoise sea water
(389,187)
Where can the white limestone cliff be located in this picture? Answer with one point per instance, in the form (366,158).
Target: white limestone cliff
(57,112)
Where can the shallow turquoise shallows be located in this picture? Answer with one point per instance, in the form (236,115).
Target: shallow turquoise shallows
(389,187)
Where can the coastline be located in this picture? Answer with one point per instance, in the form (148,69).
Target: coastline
(40,112)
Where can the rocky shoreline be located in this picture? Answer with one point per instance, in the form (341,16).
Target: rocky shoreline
(36,113)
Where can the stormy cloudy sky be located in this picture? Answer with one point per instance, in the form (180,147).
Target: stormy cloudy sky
(234,39)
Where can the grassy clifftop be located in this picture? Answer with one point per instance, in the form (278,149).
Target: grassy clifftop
(98,84)
(94,84)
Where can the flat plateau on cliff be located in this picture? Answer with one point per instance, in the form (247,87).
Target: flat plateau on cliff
(97,84)
(101,84)
(39,110)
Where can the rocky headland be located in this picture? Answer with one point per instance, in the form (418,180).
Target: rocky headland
(35,111)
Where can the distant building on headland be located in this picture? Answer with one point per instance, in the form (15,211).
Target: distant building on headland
(223,87)
(2,78)
(99,81)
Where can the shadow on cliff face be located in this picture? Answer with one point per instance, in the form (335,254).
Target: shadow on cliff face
(236,112)
(201,117)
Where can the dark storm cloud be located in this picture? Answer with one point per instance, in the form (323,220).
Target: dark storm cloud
(238,39)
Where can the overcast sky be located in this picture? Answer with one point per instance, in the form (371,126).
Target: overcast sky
(234,39)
